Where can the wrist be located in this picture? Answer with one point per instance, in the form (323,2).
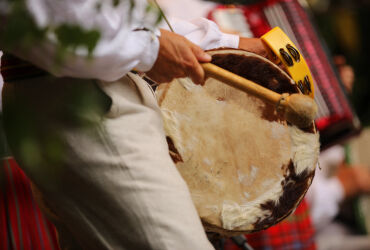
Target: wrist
(150,54)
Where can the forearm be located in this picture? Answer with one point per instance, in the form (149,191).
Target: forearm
(109,61)
(207,35)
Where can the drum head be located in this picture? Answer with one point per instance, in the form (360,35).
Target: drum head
(246,168)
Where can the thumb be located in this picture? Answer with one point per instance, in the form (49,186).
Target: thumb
(200,54)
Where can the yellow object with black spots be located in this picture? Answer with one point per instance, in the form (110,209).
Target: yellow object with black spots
(289,55)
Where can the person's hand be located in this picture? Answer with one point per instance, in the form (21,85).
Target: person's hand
(257,46)
(178,57)
(254,45)
(354,179)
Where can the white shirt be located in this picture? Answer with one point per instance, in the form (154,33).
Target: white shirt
(186,9)
(1,83)
(1,78)
(326,192)
(124,44)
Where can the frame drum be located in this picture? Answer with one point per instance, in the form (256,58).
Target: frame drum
(245,166)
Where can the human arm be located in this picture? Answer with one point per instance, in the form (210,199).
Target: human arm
(127,37)
(207,35)
(204,33)
(178,57)
(123,45)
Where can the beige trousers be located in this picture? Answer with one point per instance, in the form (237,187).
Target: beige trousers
(101,161)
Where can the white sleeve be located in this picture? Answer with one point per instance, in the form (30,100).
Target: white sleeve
(204,33)
(1,83)
(127,37)
(324,197)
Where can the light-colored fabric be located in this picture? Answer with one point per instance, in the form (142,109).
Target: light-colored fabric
(326,192)
(204,33)
(124,44)
(115,186)
(1,80)
(186,9)
(324,197)
(187,17)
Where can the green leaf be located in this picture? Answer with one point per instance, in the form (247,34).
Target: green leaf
(21,29)
(72,36)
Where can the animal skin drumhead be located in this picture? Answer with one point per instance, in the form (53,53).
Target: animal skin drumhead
(245,166)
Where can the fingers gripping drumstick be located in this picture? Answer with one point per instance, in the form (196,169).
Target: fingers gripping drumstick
(298,109)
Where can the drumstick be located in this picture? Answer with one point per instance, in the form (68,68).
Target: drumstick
(298,109)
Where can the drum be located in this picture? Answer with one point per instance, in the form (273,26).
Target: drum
(245,166)
(336,119)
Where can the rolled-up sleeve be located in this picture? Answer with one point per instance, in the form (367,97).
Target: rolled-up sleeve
(127,37)
(205,33)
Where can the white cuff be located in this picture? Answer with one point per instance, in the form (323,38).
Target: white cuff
(230,41)
(150,54)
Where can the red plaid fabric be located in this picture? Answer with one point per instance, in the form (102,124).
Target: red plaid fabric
(22,225)
(295,232)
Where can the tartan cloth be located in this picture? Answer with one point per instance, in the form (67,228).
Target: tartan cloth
(295,232)
(22,225)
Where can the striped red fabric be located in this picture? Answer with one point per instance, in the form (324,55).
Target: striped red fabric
(4,240)
(23,226)
(295,232)
(317,59)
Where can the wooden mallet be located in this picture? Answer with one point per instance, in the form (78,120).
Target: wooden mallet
(298,109)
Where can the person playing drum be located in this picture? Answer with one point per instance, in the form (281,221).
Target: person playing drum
(104,171)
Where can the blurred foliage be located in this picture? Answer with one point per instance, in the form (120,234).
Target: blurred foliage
(71,37)
(20,30)
(38,125)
